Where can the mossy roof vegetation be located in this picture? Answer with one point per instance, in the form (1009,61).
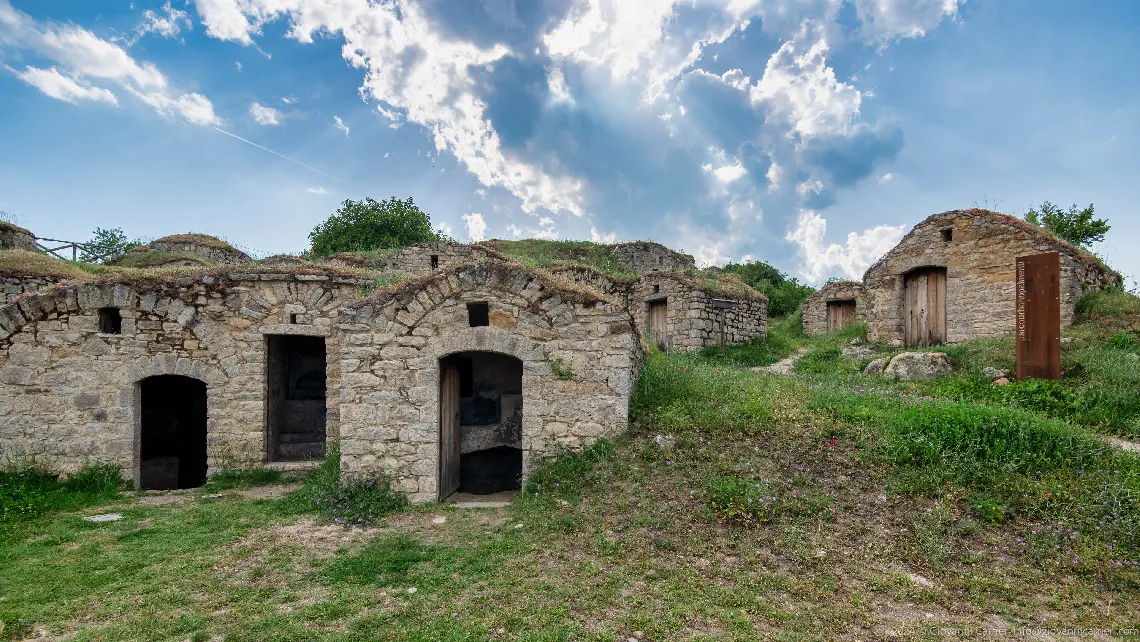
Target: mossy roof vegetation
(205,240)
(10,228)
(159,258)
(542,253)
(494,269)
(23,263)
(714,281)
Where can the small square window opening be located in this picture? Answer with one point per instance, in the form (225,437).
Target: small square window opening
(947,235)
(293,318)
(434,261)
(110,321)
(656,289)
(478,314)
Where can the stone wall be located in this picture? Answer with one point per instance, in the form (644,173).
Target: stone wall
(416,260)
(221,254)
(642,257)
(13,286)
(979,257)
(69,393)
(694,322)
(815,306)
(14,237)
(600,282)
(392,344)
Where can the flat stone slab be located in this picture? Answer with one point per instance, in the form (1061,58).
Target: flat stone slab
(106,517)
(496,500)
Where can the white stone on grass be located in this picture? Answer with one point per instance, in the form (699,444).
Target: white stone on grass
(106,517)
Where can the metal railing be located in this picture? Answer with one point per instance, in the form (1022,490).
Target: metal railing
(67,245)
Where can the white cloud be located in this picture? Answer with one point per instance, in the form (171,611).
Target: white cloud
(729,173)
(885,20)
(319,190)
(265,115)
(289,100)
(556,81)
(168,25)
(799,89)
(238,66)
(598,237)
(58,86)
(413,69)
(886,178)
(476,227)
(85,58)
(339,124)
(515,230)
(851,260)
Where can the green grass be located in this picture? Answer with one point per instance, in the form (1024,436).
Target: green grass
(539,253)
(229,478)
(784,336)
(27,493)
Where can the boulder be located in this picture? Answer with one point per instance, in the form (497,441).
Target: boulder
(857,352)
(1001,382)
(918,366)
(877,366)
(995,373)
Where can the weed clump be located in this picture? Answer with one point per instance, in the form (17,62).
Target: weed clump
(348,500)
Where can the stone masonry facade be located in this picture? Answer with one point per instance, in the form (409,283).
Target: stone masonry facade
(69,392)
(393,344)
(13,286)
(978,249)
(642,257)
(815,306)
(694,322)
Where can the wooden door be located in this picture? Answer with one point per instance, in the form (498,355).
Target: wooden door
(448,427)
(924,305)
(1038,316)
(840,314)
(659,323)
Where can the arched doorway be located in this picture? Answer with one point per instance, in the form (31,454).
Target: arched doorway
(172,449)
(480,423)
(924,307)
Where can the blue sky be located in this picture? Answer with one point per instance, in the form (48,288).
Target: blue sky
(808,134)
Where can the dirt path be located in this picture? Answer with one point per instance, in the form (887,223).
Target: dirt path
(784,366)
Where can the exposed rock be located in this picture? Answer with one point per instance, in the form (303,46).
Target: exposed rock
(995,373)
(877,366)
(1072,340)
(918,366)
(106,517)
(665,442)
(1001,382)
(857,352)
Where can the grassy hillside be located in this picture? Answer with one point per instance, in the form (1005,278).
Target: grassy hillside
(540,253)
(823,505)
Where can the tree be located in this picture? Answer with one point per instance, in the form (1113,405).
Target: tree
(372,225)
(105,246)
(1075,226)
(784,294)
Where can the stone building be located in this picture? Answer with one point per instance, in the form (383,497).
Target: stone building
(833,307)
(951,279)
(203,245)
(420,259)
(168,377)
(457,380)
(642,257)
(679,312)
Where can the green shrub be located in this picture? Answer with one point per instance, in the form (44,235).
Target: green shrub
(744,501)
(990,509)
(32,492)
(820,361)
(1127,341)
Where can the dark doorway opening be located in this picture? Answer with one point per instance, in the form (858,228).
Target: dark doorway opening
(173,433)
(295,407)
(480,423)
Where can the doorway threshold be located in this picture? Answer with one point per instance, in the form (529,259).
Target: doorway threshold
(495,500)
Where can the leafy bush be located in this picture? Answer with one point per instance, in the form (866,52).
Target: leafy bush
(32,492)
(370,225)
(743,500)
(1127,341)
(106,246)
(784,294)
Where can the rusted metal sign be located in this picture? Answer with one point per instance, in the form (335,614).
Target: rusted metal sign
(1038,317)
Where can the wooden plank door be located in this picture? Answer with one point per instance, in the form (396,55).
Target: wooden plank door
(840,314)
(1038,316)
(924,307)
(936,307)
(448,427)
(659,323)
